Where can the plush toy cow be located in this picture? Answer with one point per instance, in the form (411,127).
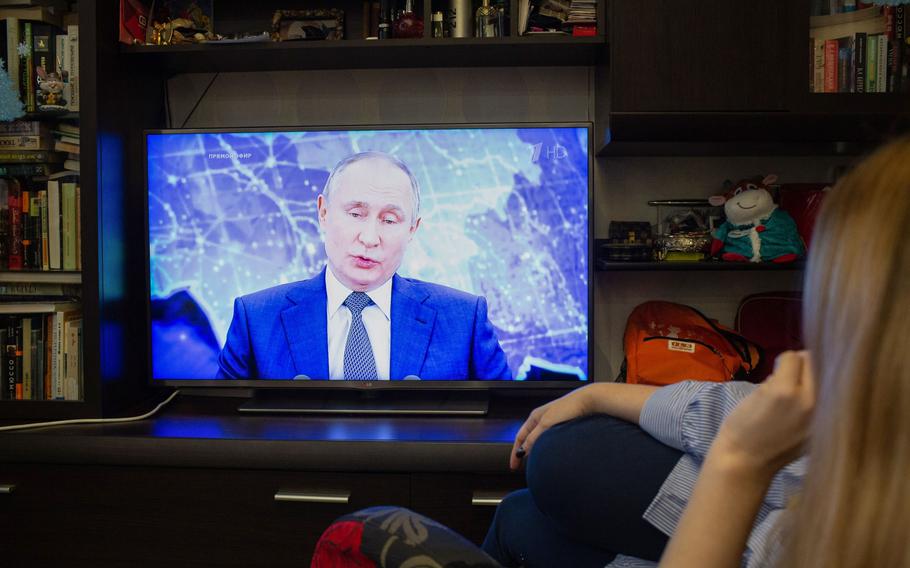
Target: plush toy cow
(755,229)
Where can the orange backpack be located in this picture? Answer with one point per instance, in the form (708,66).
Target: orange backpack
(666,343)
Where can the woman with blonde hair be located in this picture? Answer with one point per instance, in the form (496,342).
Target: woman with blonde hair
(846,401)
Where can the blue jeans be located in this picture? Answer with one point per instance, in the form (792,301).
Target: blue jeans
(589,482)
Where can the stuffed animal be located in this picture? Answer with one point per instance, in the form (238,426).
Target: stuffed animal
(755,229)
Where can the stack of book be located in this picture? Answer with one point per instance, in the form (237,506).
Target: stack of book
(27,143)
(41,344)
(582,19)
(67,140)
(860,51)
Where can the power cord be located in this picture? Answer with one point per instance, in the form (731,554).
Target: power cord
(93,420)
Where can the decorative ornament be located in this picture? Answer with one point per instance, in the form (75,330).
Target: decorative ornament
(10,105)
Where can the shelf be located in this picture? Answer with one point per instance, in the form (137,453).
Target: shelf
(42,277)
(706,265)
(369,54)
(745,133)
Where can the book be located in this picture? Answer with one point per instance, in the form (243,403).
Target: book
(818,67)
(26,393)
(24,142)
(23,127)
(58,364)
(30,156)
(14,252)
(4,224)
(71,58)
(63,146)
(71,165)
(72,376)
(830,66)
(10,359)
(27,170)
(859,63)
(53,225)
(68,224)
(11,51)
(881,80)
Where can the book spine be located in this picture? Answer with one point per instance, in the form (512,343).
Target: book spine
(881,54)
(901,49)
(15,339)
(39,357)
(26,358)
(23,142)
(25,223)
(72,41)
(53,225)
(844,67)
(57,363)
(71,388)
(68,211)
(831,66)
(62,68)
(45,256)
(15,226)
(22,128)
(25,170)
(78,227)
(9,358)
(49,357)
(4,226)
(28,74)
(859,63)
(4,391)
(871,62)
(819,67)
(34,220)
(29,156)
(12,50)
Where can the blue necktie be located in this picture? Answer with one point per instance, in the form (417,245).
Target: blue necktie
(359,363)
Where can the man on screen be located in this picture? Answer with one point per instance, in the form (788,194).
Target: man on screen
(357,319)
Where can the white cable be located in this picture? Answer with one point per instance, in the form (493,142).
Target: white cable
(92,420)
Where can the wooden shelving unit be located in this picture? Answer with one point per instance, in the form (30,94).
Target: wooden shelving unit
(368,54)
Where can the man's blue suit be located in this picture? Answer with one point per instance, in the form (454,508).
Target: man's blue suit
(438,333)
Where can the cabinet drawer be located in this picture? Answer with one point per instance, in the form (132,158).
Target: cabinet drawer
(91,516)
(464,503)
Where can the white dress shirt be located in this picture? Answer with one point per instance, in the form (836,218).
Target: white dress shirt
(376,320)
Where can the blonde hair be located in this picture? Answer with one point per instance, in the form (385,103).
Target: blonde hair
(855,507)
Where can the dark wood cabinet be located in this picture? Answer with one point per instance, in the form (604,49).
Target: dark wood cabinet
(708,56)
(141,516)
(202,485)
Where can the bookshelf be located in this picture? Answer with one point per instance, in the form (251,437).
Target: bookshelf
(751,94)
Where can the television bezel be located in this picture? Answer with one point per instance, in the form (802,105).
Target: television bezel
(442,385)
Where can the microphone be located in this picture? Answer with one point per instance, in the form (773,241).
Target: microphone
(411,378)
(301,378)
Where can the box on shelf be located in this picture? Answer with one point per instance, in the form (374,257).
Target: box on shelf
(628,241)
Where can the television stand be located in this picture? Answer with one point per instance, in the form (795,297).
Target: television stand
(385,401)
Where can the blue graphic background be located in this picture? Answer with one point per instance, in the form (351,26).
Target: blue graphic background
(505,215)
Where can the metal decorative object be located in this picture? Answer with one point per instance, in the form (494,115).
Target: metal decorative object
(696,242)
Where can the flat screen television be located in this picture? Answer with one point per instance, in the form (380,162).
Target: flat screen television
(486,229)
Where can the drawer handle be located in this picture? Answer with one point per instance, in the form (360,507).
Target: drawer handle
(336,497)
(6,489)
(488,498)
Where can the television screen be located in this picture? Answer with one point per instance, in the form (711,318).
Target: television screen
(443,253)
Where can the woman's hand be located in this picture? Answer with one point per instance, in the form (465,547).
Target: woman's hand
(768,429)
(562,409)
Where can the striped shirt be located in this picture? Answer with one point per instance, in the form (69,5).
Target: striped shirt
(687,416)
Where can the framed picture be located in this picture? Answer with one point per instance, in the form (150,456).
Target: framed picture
(327,23)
